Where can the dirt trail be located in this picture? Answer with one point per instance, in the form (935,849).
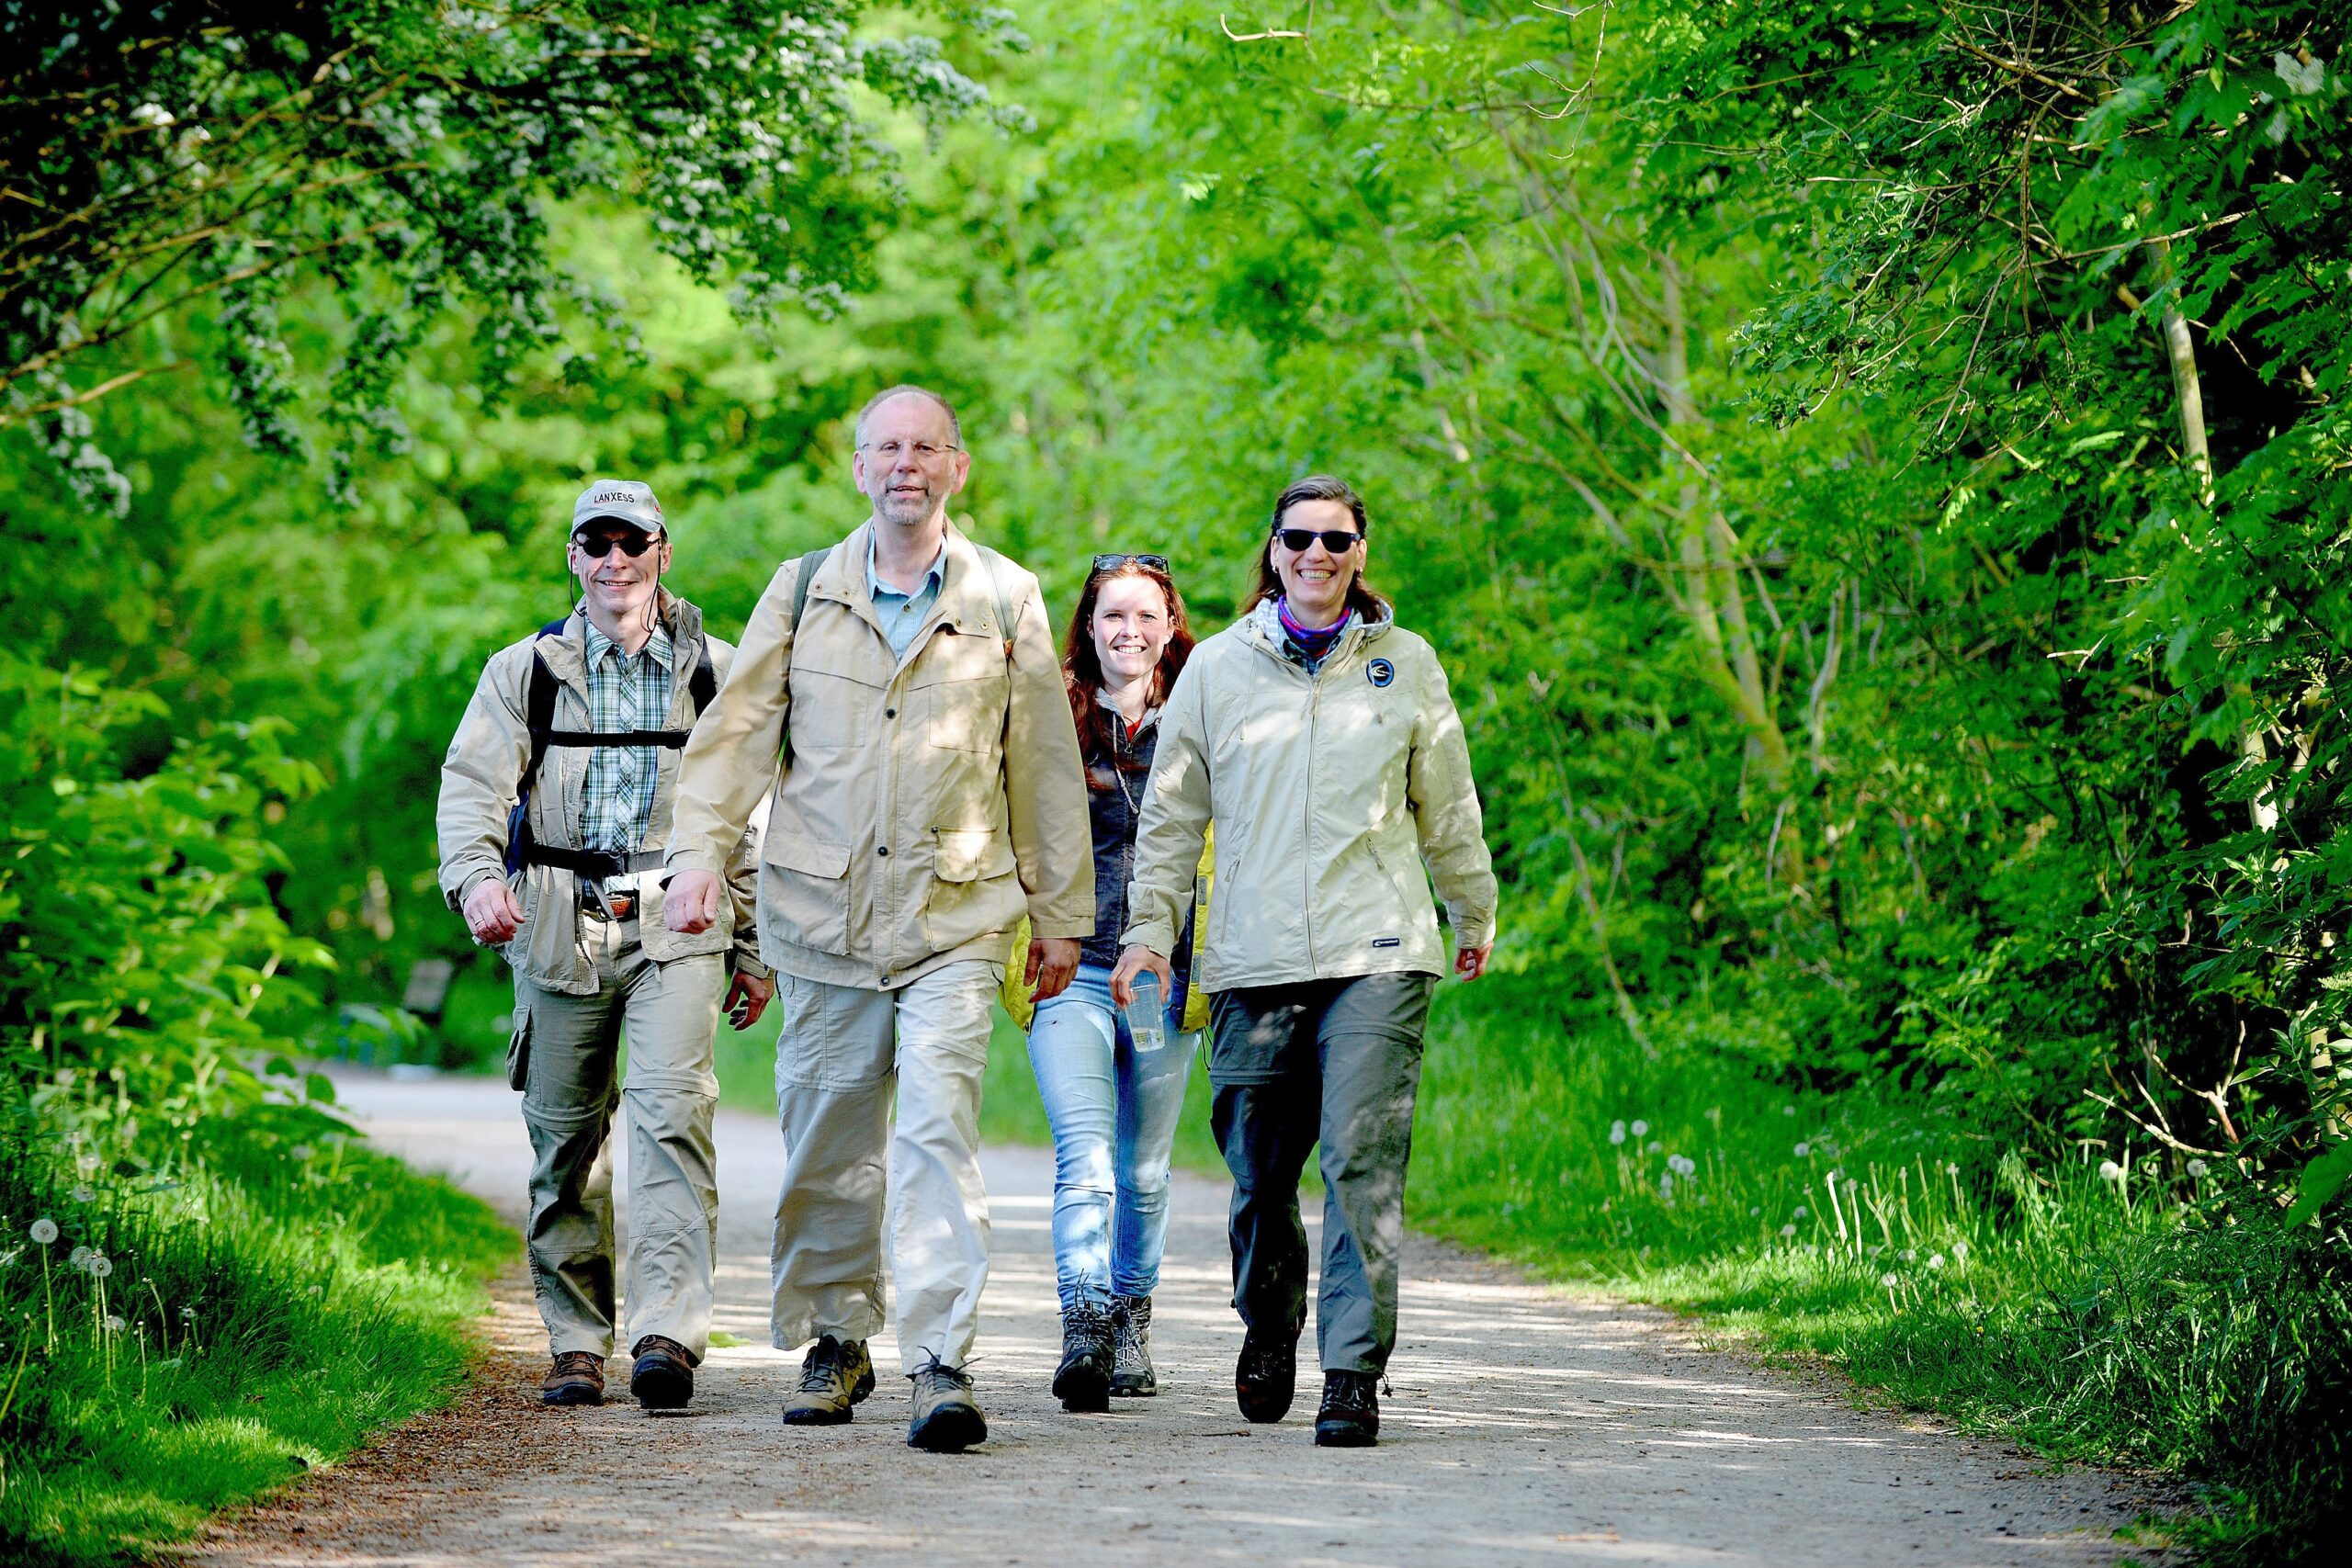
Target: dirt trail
(1526,1425)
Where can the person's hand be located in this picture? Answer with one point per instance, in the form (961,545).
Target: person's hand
(692,903)
(493,912)
(1469,963)
(1134,962)
(747,999)
(1052,961)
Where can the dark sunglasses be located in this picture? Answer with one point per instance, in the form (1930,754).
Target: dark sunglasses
(633,545)
(1113,563)
(1338,541)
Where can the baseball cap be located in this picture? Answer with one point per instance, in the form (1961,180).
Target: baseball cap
(623,501)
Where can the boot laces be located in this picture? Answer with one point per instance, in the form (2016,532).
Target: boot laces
(935,1373)
(826,1364)
(1350,1393)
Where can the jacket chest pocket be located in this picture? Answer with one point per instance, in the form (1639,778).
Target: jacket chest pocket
(960,678)
(806,892)
(832,708)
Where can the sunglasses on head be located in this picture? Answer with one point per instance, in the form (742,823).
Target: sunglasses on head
(1338,541)
(1113,563)
(632,544)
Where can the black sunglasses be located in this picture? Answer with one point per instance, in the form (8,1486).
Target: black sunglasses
(1338,541)
(598,545)
(1113,563)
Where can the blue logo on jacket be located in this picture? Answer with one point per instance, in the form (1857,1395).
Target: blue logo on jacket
(1380,672)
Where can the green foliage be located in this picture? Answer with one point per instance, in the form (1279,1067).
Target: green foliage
(173,1347)
(184,154)
(1893,695)
(2142,1316)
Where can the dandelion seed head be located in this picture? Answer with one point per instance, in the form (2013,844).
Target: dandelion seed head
(44,1230)
(87,1165)
(302,1151)
(1787,1230)
(1888,1281)
(1799,1211)
(1682,1165)
(2109,1171)
(1803,1149)
(1952,1169)
(1788,1110)
(2196,1167)
(101,1265)
(1960,1249)
(1640,1128)
(1935,1260)
(84,1193)
(79,1257)
(313,1291)
(1754,1210)
(1910,1255)
(187,1313)
(115,1325)
(1617,1132)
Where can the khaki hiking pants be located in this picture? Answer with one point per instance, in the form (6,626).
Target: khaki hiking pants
(565,1058)
(840,1052)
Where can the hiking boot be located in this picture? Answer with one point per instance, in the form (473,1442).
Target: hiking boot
(1351,1415)
(576,1378)
(663,1376)
(1131,1371)
(1266,1378)
(834,1376)
(947,1419)
(1088,1345)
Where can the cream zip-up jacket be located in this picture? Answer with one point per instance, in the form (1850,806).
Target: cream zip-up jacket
(485,764)
(926,803)
(1328,792)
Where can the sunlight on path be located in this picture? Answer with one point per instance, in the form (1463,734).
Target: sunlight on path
(1526,1426)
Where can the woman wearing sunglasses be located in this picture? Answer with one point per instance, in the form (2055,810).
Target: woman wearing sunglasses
(1320,737)
(1113,1101)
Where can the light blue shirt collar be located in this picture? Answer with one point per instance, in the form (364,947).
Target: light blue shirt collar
(875,589)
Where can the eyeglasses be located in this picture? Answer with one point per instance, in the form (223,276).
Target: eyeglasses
(1113,563)
(924,451)
(598,545)
(1338,541)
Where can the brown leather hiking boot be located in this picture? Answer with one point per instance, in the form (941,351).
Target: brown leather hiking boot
(664,1377)
(576,1378)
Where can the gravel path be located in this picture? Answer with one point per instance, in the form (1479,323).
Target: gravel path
(1527,1425)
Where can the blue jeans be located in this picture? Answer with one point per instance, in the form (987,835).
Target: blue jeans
(1114,1125)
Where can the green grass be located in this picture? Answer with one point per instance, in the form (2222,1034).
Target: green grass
(2147,1318)
(257,1319)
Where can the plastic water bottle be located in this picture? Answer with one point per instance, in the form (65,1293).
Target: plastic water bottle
(1147,1016)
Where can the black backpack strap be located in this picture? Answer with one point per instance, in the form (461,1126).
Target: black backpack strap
(538,716)
(703,684)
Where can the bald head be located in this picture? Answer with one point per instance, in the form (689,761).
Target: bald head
(906,389)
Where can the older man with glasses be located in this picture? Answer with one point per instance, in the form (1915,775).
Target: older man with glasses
(929,797)
(553,796)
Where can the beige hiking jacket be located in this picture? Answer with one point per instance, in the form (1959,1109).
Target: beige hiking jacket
(925,804)
(485,764)
(1328,792)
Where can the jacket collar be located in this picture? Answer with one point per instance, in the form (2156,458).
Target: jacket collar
(1263,627)
(566,653)
(966,597)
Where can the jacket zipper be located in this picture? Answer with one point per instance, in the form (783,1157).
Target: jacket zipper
(1306,868)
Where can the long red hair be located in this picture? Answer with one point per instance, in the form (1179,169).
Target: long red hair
(1083,667)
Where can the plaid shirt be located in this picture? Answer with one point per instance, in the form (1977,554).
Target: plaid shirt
(616,800)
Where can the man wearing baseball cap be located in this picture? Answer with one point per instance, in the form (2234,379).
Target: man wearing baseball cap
(555,800)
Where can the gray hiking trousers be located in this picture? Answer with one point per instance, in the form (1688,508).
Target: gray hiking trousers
(1338,1063)
(565,1058)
